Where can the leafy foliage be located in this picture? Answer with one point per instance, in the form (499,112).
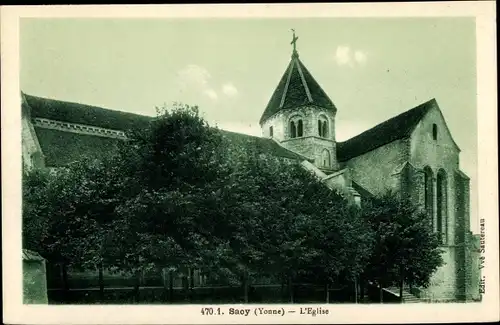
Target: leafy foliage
(178,195)
(405,246)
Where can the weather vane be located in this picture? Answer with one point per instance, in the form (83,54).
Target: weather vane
(294,41)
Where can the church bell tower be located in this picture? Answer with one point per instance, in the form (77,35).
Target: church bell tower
(301,116)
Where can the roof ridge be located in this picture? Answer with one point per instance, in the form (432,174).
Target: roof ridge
(296,89)
(392,119)
(78,113)
(84,105)
(398,127)
(304,82)
(283,97)
(239,133)
(358,187)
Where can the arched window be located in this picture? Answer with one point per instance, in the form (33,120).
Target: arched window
(296,128)
(293,130)
(271,131)
(434,131)
(323,126)
(442,207)
(429,194)
(325,158)
(299,128)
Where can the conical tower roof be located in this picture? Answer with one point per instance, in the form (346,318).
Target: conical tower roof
(297,87)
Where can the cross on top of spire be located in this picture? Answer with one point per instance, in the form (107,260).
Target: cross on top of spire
(294,43)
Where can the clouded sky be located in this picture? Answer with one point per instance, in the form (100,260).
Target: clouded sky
(371,68)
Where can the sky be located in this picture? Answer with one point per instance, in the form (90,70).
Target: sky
(371,68)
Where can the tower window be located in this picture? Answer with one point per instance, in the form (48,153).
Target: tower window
(296,126)
(271,131)
(323,127)
(293,130)
(434,131)
(325,157)
(299,128)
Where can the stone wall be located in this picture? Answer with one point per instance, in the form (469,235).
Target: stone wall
(468,274)
(312,147)
(472,289)
(438,151)
(443,283)
(374,170)
(277,123)
(399,166)
(34,278)
(340,180)
(441,155)
(310,144)
(31,151)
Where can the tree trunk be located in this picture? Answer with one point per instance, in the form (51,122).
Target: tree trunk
(171,285)
(362,287)
(185,285)
(191,278)
(65,280)
(381,292)
(290,288)
(137,286)
(101,281)
(282,291)
(164,282)
(401,283)
(191,284)
(327,291)
(244,283)
(355,290)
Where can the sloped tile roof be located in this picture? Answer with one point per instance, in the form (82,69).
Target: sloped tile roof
(296,87)
(261,145)
(398,127)
(84,114)
(361,190)
(31,256)
(61,148)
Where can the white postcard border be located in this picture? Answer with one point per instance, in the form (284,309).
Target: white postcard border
(16,312)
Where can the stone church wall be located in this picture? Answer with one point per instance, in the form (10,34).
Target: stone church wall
(277,123)
(310,144)
(438,151)
(440,154)
(473,277)
(443,282)
(467,248)
(311,147)
(31,152)
(373,170)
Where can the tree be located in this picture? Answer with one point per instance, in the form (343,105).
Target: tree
(300,228)
(406,250)
(177,194)
(35,209)
(68,213)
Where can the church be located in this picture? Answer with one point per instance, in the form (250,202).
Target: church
(412,153)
